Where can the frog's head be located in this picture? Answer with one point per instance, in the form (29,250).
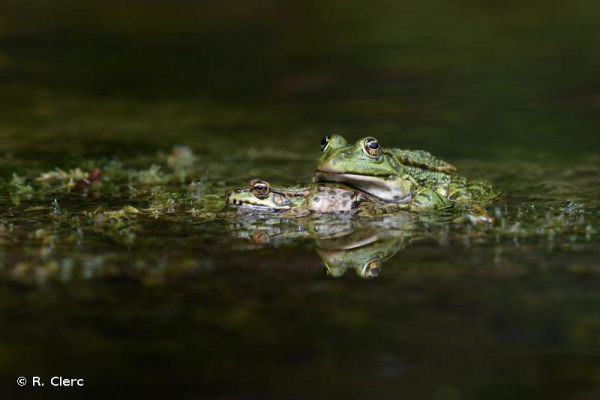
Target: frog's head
(367,265)
(365,157)
(364,165)
(257,196)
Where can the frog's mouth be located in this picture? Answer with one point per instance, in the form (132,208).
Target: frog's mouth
(391,188)
(247,205)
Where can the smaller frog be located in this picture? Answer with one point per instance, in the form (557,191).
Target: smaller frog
(297,200)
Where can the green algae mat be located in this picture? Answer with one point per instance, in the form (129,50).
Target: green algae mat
(123,126)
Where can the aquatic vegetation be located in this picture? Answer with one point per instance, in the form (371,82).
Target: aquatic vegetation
(17,188)
(53,211)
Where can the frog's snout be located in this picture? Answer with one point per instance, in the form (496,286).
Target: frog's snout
(230,199)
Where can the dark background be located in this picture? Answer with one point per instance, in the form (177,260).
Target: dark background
(461,79)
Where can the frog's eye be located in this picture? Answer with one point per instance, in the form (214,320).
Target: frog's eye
(260,189)
(372,268)
(260,237)
(372,148)
(325,143)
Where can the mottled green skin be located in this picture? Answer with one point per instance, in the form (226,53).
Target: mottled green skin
(301,199)
(410,177)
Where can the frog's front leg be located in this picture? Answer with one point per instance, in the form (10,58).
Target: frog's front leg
(428,199)
(296,212)
(369,209)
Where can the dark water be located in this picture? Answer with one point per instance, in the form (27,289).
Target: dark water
(179,300)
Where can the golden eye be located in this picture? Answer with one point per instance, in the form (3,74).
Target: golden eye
(260,237)
(372,148)
(372,268)
(261,189)
(325,143)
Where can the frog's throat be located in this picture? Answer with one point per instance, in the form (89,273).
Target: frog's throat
(393,190)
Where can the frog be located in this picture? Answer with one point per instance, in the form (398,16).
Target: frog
(259,196)
(406,177)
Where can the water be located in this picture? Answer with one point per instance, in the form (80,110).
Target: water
(140,285)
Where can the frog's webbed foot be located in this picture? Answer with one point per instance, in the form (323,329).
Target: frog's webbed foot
(369,209)
(428,199)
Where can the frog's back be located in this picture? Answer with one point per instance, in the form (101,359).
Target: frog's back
(422,159)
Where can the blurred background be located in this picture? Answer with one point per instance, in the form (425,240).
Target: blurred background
(505,90)
(508,79)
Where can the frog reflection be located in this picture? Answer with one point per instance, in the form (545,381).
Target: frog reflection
(364,253)
(342,243)
(273,230)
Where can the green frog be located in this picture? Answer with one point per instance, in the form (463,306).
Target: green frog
(297,200)
(412,177)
